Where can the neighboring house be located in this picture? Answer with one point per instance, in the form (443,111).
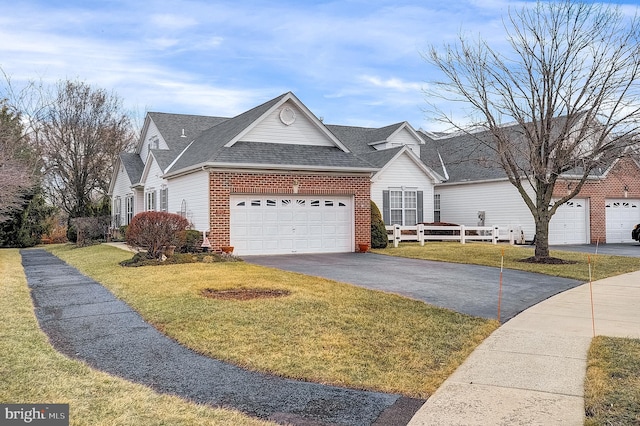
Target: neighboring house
(477,192)
(274,179)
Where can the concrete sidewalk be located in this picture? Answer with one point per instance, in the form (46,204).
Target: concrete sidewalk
(531,370)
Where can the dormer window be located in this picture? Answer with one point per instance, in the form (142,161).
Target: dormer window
(154,142)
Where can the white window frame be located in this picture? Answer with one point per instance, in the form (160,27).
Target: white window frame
(403,206)
(436,208)
(150,201)
(128,202)
(117,212)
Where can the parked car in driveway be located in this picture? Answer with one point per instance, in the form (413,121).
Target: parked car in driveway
(635,234)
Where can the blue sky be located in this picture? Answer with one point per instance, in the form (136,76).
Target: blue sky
(353,62)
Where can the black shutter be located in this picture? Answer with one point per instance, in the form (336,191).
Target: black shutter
(420,207)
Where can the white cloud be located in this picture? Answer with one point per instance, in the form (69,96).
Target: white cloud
(171,22)
(392,83)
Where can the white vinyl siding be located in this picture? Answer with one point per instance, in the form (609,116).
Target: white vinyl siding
(403,172)
(501,202)
(302,132)
(152,178)
(122,184)
(193,189)
(152,134)
(403,137)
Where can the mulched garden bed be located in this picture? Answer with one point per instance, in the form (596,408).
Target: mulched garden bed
(244,293)
(548,261)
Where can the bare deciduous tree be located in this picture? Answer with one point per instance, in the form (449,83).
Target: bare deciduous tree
(570,82)
(16,172)
(81,134)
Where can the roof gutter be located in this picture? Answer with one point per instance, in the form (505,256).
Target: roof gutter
(275,167)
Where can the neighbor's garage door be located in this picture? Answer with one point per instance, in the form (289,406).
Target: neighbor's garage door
(291,224)
(569,224)
(622,216)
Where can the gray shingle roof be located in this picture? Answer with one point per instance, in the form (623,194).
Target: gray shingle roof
(358,139)
(465,158)
(289,155)
(171,126)
(380,158)
(469,156)
(208,144)
(207,137)
(133,166)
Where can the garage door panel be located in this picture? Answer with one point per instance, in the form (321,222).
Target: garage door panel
(270,216)
(271,224)
(270,231)
(569,224)
(621,216)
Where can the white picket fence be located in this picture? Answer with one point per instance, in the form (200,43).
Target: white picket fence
(462,233)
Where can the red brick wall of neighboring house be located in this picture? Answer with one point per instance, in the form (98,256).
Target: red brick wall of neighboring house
(625,174)
(224,184)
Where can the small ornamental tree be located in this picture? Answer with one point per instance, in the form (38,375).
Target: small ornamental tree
(155,230)
(379,237)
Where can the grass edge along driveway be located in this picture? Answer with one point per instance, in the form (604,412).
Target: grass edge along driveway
(324,331)
(33,372)
(602,266)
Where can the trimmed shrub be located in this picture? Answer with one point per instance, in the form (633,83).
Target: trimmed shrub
(192,241)
(155,230)
(379,237)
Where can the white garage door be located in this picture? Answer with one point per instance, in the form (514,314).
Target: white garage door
(622,216)
(269,224)
(569,224)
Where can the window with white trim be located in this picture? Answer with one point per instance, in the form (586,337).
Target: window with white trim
(403,206)
(117,212)
(150,201)
(128,202)
(436,207)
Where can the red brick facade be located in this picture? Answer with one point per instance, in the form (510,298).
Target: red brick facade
(224,184)
(623,181)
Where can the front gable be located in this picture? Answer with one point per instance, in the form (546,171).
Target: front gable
(406,166)
(120,181)
(403,135)
(289,121)
(150,138)
(152,174)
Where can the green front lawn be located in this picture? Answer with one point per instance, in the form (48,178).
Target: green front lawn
(602,266)
(324,331)
(31,371)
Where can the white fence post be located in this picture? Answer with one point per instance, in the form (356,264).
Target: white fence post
(463,235)
(496,234)
(421,234)
(397,234)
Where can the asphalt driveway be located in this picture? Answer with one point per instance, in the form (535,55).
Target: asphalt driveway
(468,289)
(622,249)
